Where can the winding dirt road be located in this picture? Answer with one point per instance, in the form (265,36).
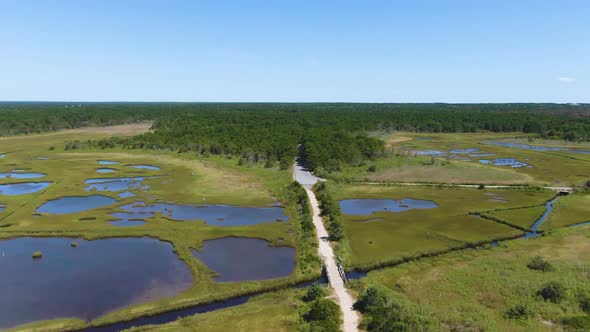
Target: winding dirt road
(343,297)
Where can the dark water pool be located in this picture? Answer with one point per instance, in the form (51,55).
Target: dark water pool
(115,184)
(149,167)
(107,162)
(240,259)
(86,281)
(514,163)
(22,188)
(106,170)
(73,204)
(369,206)
(537,147)
(21,175)
(216,215)
(2,207)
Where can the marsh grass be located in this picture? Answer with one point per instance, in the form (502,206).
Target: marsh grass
(402,236)
(481,286)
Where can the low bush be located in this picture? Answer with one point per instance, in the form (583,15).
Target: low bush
(553,292)
(584,303)
(578,323)
(323,315)
(539,264)
(314,292)
(519,311)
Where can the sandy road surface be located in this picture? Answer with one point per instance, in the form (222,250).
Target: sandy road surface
(343,297)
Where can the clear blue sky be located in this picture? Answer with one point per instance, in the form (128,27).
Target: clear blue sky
(288,50)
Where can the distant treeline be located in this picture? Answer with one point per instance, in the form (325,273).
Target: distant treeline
(330,134)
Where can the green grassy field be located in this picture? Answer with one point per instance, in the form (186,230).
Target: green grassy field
(471,290)
(402,165)
(415,232)
(182,179)
(523,217)
(569,210)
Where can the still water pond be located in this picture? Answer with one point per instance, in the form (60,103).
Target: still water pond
(106,170)
(22,188)
(504,162)
(20,175)
(240,259)
(107,162)
(115,184)
(130,218)
(86,281)
(537,148)
(369,206)
(149,167)
(73,204)
(215,215)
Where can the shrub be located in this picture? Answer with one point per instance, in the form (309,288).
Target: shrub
(585,304)
(578,323)
(369,298)
(372,169)
(538,263)
(336,230)
(314,292)
(481,186)
(553,291)
(323,315)
(519,311)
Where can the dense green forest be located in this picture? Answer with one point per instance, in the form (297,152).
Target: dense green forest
(329,134)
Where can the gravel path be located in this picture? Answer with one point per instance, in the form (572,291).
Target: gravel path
(343,297)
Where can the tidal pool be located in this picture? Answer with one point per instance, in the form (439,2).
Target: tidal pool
(215,215)
(20,175)
(115,184)
(106,170)
(369,206)
(129,218)
(430,153)
(240,259)
(537,147)
(107,162)
(481,154)
(514,163)
(85,281)
(150,167)
(126,194)
(465,151)
(22,188)
(73,204)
